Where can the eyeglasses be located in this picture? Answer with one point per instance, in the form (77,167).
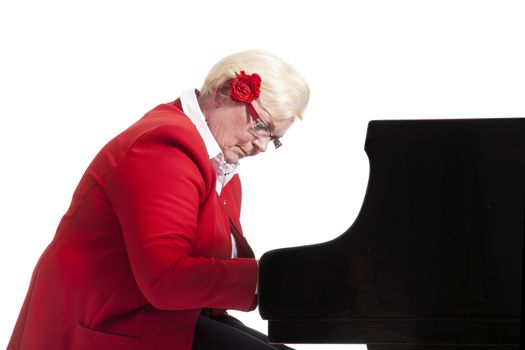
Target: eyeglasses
(261,128)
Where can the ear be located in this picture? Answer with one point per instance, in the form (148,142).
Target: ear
(222,95)
(218,99)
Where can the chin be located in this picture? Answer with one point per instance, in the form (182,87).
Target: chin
(233,154)
(231,158)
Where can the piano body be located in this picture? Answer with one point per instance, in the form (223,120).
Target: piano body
(434,258)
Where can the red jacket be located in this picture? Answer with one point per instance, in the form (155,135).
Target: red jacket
(144,246)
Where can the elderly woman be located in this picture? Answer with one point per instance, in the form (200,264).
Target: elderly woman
(151,253)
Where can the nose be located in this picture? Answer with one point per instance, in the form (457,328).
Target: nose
(260,144)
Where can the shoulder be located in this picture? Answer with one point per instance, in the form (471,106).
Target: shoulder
(167,119)
(164,136)
(165,125)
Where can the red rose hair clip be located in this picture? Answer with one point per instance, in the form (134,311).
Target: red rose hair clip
(245,87)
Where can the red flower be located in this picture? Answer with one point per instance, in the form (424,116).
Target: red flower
(245,88)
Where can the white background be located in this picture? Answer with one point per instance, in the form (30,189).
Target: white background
(73,74)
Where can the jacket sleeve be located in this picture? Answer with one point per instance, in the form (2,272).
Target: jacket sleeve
(156,190)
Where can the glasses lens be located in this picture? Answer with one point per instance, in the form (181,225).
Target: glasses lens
(261,128)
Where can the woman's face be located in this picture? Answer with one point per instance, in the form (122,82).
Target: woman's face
(233,128)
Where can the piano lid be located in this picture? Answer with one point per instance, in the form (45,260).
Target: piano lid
(435,254)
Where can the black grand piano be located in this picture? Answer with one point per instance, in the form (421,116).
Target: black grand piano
(434,258)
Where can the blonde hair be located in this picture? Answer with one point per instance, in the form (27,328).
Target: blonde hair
(284,92)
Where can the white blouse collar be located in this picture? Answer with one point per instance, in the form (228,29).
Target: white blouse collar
(190,107)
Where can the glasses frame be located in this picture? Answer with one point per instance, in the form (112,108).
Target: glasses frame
(261,124)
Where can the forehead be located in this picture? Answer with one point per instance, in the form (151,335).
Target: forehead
(277,126)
